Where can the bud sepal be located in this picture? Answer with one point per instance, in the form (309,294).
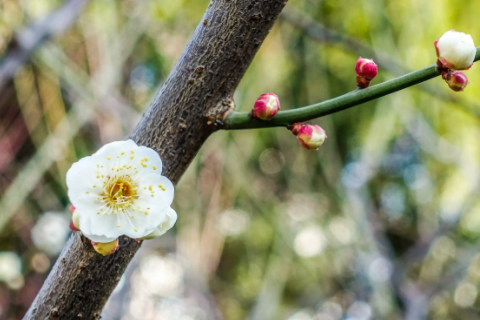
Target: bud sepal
(105,248)
(456,80)
(295,128)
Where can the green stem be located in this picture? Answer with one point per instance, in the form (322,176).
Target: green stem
(242,120)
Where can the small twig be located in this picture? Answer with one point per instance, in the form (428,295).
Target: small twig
(24,43)
(321,33)
(242,120)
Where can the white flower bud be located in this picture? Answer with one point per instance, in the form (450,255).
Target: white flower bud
(455,50)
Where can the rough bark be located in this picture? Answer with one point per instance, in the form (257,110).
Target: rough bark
(195,97)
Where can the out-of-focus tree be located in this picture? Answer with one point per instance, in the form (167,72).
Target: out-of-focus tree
(381,223)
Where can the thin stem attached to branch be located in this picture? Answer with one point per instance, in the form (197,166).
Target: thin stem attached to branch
(242,120)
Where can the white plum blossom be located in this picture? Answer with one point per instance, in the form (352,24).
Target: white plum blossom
(119,190)
(455,50)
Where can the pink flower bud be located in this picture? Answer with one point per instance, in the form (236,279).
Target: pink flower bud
(75,222)
(71,208)
(105,248)
(366,70)
(295,128)
(457,81)
(266,106)
(73,227)
(311,136)
(455,50)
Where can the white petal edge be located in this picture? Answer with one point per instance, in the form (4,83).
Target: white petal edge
(156,180)
(100,239)
(169,222)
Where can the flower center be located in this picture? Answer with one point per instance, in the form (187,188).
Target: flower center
(119,193)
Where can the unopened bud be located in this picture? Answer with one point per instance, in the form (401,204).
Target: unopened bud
(266,106)
(366,70)
(75,222)
(73,226)
(311,136)
(457,81)
(455,50)
(105,248)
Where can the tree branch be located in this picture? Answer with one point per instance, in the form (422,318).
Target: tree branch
(242,120)
(321,33)
(25,42)
(175,125)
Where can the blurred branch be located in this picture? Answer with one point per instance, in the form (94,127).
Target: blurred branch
(243,120)
(197,287)
(48,153)
(274,281)
(321,33)
(24,43)
(419,295)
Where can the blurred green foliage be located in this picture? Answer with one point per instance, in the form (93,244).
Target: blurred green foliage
(381,223)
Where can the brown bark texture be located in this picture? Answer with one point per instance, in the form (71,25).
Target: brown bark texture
(191,103)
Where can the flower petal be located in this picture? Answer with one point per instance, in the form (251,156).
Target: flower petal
(169,222)
(80,181)
(161,186)
(99,239)
(104,225)
(153,164)
(113,148)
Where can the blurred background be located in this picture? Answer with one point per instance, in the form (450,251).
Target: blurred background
(382,222)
